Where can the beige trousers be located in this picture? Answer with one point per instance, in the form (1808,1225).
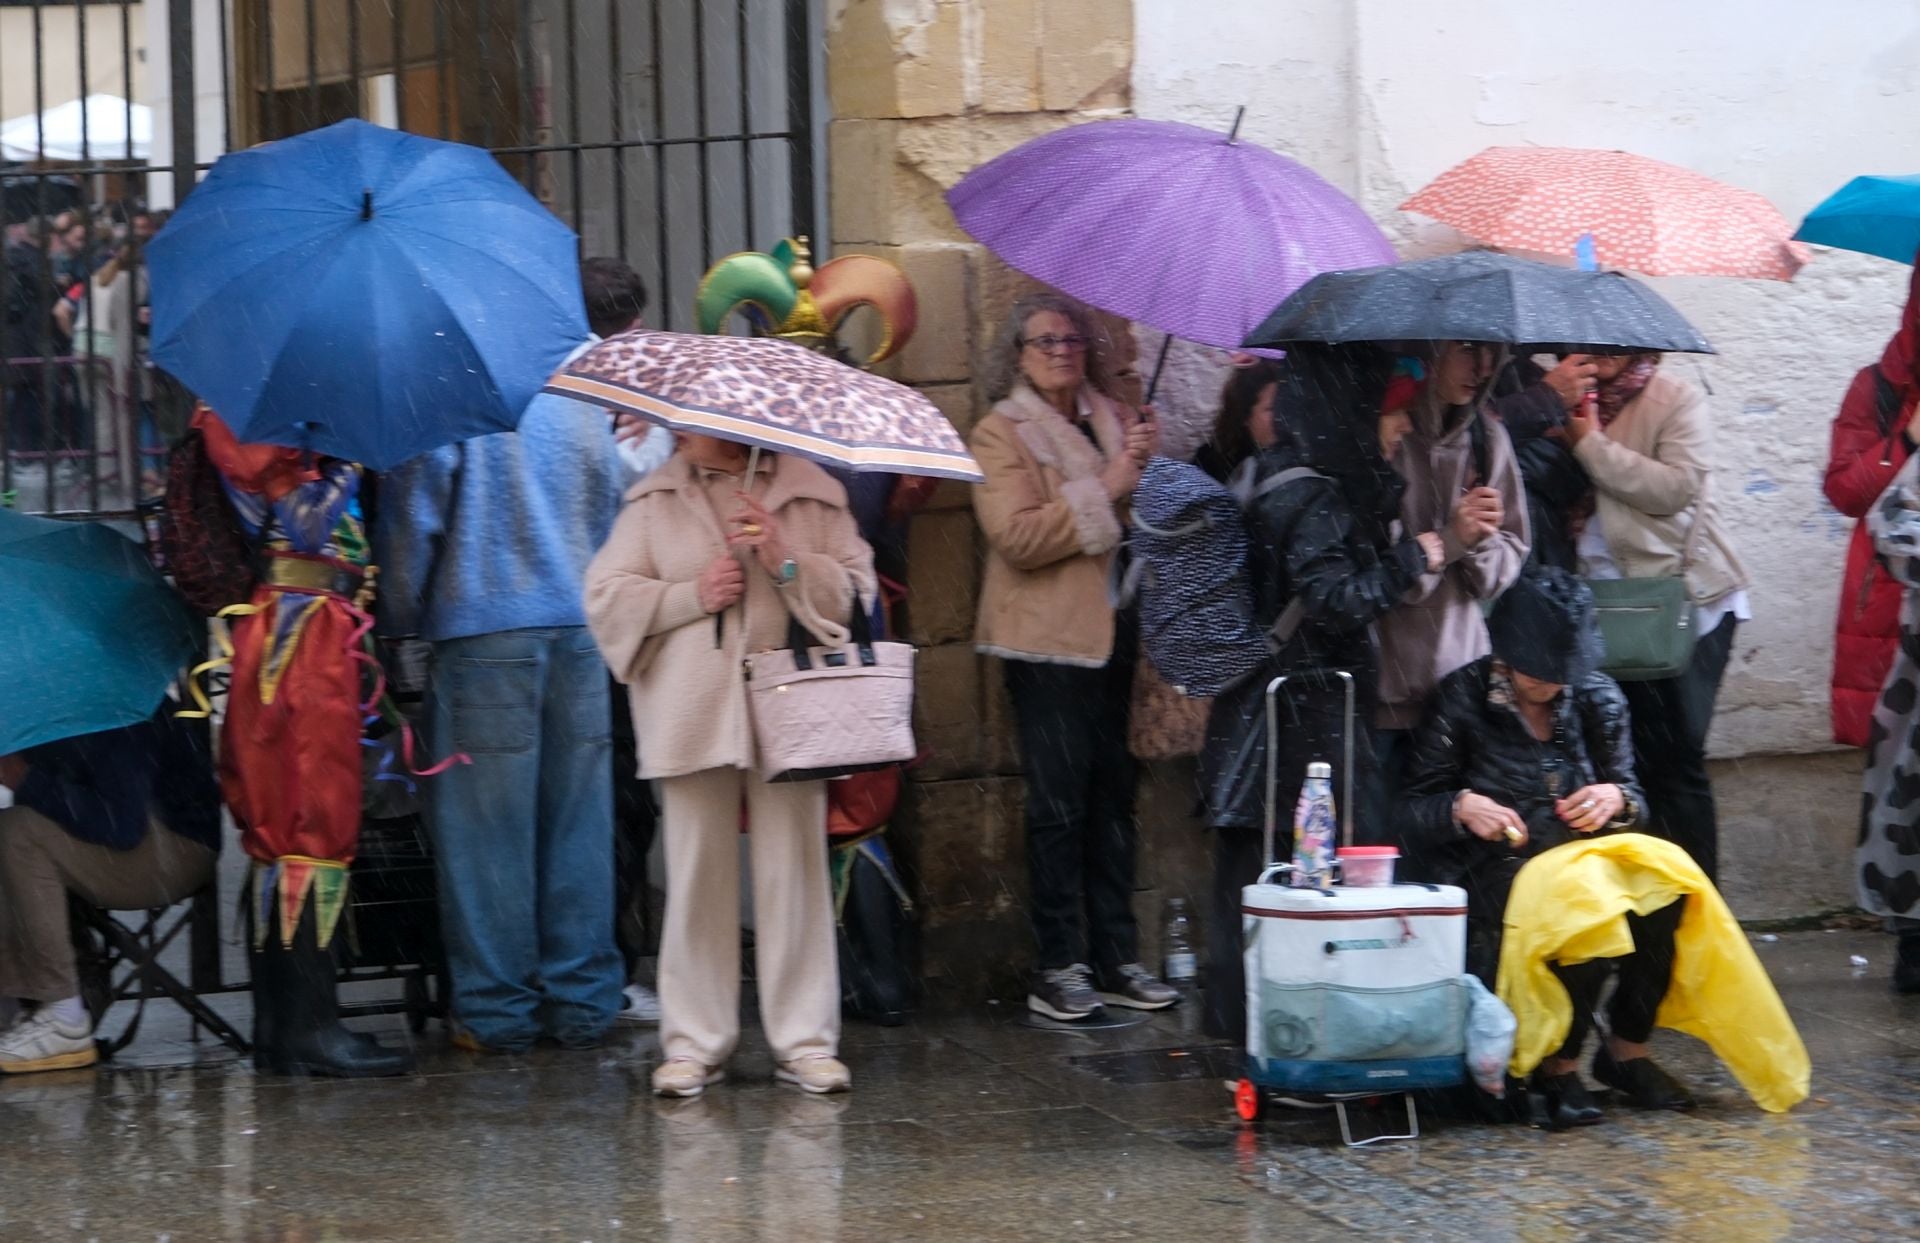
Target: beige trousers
(794,950)
(40,862)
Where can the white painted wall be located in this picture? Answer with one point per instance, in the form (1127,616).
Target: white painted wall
(1380,97)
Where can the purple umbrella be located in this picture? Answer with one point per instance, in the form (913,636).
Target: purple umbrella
(1187,230)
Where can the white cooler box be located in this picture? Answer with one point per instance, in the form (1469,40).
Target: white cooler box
(1355,989)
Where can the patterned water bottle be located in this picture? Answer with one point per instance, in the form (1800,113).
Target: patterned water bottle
(1313,829)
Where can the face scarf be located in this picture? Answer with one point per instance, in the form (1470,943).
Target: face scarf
(1623,388)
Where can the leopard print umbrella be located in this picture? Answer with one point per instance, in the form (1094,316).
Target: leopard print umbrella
(767,392)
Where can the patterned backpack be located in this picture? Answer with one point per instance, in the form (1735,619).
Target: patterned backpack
(1187,569)
(203,546)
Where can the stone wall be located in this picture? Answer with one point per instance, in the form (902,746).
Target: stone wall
(921,92)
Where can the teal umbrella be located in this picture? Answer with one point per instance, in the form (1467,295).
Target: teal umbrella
(90,635)
(1873,215)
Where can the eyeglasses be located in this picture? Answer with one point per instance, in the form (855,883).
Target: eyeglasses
(1051,344)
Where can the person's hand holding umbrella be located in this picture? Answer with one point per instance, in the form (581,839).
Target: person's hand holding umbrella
(1477,516)
(13,771)
(1570,379)
(721,584)
(753,528)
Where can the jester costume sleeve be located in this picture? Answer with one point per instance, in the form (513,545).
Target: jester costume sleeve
(290,764)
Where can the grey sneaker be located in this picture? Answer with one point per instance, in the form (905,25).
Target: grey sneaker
(1133,986)
(1065,994)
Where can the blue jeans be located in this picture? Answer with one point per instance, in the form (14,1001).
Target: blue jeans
(523,836)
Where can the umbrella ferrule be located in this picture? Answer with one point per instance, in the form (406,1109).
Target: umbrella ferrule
(366,204)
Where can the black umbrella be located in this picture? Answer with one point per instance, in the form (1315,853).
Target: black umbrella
(26,195)
(1480,296)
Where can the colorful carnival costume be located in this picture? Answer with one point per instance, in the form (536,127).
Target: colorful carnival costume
(290,755)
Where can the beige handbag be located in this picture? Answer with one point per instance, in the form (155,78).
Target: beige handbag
(827,711)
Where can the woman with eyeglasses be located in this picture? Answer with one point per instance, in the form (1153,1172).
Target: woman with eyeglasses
(1061,457)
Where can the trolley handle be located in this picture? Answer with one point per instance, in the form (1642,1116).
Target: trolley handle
(1273,763)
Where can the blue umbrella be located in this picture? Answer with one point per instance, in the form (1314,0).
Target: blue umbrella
(364,293)
(90,636)
(1873,215)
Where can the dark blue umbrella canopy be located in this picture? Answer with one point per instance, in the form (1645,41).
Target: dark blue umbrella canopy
(364,293)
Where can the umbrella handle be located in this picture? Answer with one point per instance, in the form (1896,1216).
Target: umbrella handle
(1159,365)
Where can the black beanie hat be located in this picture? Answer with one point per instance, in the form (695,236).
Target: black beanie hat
(1544,627)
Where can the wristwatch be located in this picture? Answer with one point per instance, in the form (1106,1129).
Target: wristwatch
(789,570)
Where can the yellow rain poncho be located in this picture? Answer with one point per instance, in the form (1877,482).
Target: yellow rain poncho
(1569,906)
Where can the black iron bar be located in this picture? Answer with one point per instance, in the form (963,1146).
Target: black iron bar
(700,126)
(742,32)
(397,59)
(571,12)
(616,79)
(661,231)
(799,134)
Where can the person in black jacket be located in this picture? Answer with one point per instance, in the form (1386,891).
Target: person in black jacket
(1533,404)
(1522,751)
(1327,541)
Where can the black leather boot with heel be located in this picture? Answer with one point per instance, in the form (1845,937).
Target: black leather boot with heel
(296,1013)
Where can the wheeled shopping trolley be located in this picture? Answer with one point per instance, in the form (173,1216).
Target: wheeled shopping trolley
(1352,992)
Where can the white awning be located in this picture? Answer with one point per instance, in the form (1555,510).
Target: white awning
(56,133)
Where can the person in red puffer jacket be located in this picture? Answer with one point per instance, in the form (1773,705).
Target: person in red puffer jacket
(1876,429)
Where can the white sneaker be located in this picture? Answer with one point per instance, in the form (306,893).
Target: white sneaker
(43,1042)
(639,1004)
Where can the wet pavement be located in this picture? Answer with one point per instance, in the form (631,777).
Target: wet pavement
(967,1125)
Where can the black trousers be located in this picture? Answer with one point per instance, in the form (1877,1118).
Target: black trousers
(1081,833)
(635,819)
(1670,722)
(1236,864)
(1644,976)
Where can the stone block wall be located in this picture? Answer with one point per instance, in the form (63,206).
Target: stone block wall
(921,92)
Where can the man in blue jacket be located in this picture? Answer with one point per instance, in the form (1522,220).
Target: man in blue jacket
(128,819)
(483,547)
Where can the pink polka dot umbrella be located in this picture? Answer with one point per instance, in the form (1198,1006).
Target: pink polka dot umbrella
(1645,215)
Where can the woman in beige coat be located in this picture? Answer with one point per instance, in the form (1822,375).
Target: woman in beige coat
(1646,440)
(701,571)
(1061,457)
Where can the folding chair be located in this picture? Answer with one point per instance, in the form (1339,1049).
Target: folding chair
(119,958)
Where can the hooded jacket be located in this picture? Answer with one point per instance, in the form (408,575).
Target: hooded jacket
(1438,626)
(1869,446)
(1330,542)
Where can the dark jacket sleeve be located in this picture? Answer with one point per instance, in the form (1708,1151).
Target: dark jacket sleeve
(1607,727)
(1437,771)
(97,787)
(1530,413)
(1311,521)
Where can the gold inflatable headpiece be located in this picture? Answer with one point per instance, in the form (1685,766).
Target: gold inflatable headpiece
(783,295)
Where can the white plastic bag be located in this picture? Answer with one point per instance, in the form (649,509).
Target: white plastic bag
(1490,1029)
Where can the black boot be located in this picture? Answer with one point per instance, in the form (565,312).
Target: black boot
(296,1013)
(1564,1101)
(1906,964)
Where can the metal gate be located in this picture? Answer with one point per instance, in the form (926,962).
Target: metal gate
(666,132)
